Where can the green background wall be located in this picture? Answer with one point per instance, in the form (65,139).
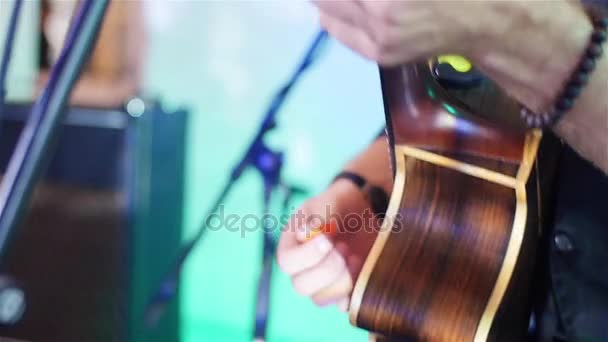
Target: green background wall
(224,61)
(22,72)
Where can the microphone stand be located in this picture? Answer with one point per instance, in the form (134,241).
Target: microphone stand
(269,163)
(8,51)
(41,131)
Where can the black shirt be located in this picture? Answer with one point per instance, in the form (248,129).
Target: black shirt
(574,306)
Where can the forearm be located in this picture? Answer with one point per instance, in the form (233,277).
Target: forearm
(374,164)
(535,76)
(585,128)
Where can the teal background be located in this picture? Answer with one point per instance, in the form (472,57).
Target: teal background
(22,72)
(224,61)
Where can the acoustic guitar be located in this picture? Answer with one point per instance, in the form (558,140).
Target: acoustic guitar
(454,257)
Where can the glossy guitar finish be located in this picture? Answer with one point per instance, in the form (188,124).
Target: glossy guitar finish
(454,255)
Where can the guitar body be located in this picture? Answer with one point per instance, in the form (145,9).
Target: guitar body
(454,257)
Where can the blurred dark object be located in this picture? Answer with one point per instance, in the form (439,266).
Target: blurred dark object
(12,301)
(36,144)
(107,214)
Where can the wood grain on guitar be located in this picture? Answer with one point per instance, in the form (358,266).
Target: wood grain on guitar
(453,258)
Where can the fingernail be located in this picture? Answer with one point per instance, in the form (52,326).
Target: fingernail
(323,244)
(343,304)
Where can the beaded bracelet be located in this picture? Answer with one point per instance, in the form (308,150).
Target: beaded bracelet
(578,80)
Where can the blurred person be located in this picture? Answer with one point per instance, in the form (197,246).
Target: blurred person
(527,48)
(114,71)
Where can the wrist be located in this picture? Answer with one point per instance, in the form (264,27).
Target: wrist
(374,195)
(347,192)
(532,52)
(346,188)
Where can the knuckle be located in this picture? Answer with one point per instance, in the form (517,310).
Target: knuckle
(286,263)
(388,15)
(381,47)
(281,261)
(299,285)
(377,9)
(383,39)
(320,301)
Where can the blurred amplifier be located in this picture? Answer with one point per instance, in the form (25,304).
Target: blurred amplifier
(103,224)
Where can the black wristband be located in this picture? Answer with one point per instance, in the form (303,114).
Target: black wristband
(577,81)
(377,197)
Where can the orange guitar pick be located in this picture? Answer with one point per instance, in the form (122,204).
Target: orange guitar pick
(328,228)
